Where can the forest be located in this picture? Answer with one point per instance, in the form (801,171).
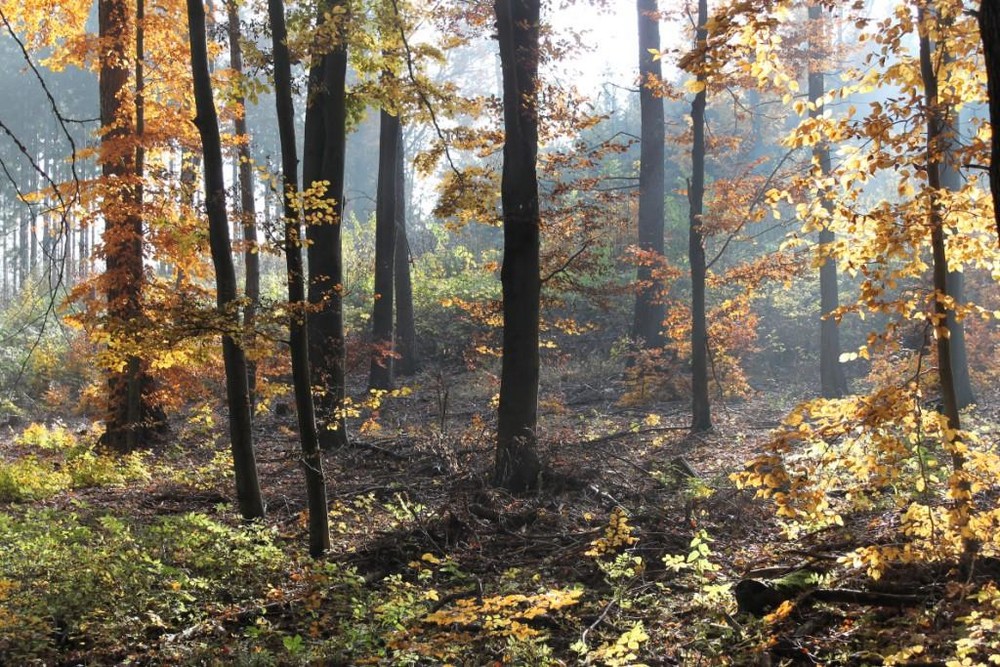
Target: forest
(500,332)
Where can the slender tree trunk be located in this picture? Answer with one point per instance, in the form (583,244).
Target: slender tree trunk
(247,211)
(406,332)
(312,460)
(989,31)
(325,143)
(649,306)
(123,235)
(935,147)
(951,180)
(833,383)
(248,493)
(380,375)
(700,407)
(517,466)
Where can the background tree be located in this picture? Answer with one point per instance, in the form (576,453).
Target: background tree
(649,308)
(832,379)
(248,493)
(386,222)
(517,466)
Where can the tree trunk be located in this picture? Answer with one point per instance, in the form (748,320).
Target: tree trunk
(517,466)
(833,383)
(701,410)
(406,332)
(247,211)
(298,339)
(248,493)
(935,130)
(123,235)
(989,31)
(325,142)
(380,376)
(649,306)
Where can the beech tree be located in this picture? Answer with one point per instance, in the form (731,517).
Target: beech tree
(298,334)
(323,179)
(247,206)
(123,233)
(832,379)
(701,411)
(649,307)
(248,492)
(989,31)
(386,221)
(406,332)
(517,466)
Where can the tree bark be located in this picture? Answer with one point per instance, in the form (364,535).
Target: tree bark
(323,161)
(701,419)
(517,466)
(380,375)
(946,378)
(833,383)
(248,493)
(406,332)
(247,210)
(298,339)
(123,235)
(649,306)
(989,31)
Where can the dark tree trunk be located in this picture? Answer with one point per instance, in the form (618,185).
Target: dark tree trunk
(298,340)
(247,210)
(406,331)
(325,143)
(989,31)
(380,376)
(833,383)
(649,306)
(237,391)
(122,212)
(701,409)
(517,466)
(946,378)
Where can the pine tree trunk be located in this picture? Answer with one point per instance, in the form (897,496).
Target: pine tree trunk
(517,467)
(298,339)
(248,493)
(406,332)
(701,409)
(323,160)
(833,383)
(649,306)
(380,375)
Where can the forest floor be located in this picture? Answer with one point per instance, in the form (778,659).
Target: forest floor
(627,555)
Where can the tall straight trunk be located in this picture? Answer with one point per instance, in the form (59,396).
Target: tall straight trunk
(833,383)
(951,180)
(123,234)
(323,161)
(23,268)
(989,32)
(946,378)
(701,410)
(298,339)
(517,466)
(406,331)
(247,211)
(380,375)
(248,493)
(649,306)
